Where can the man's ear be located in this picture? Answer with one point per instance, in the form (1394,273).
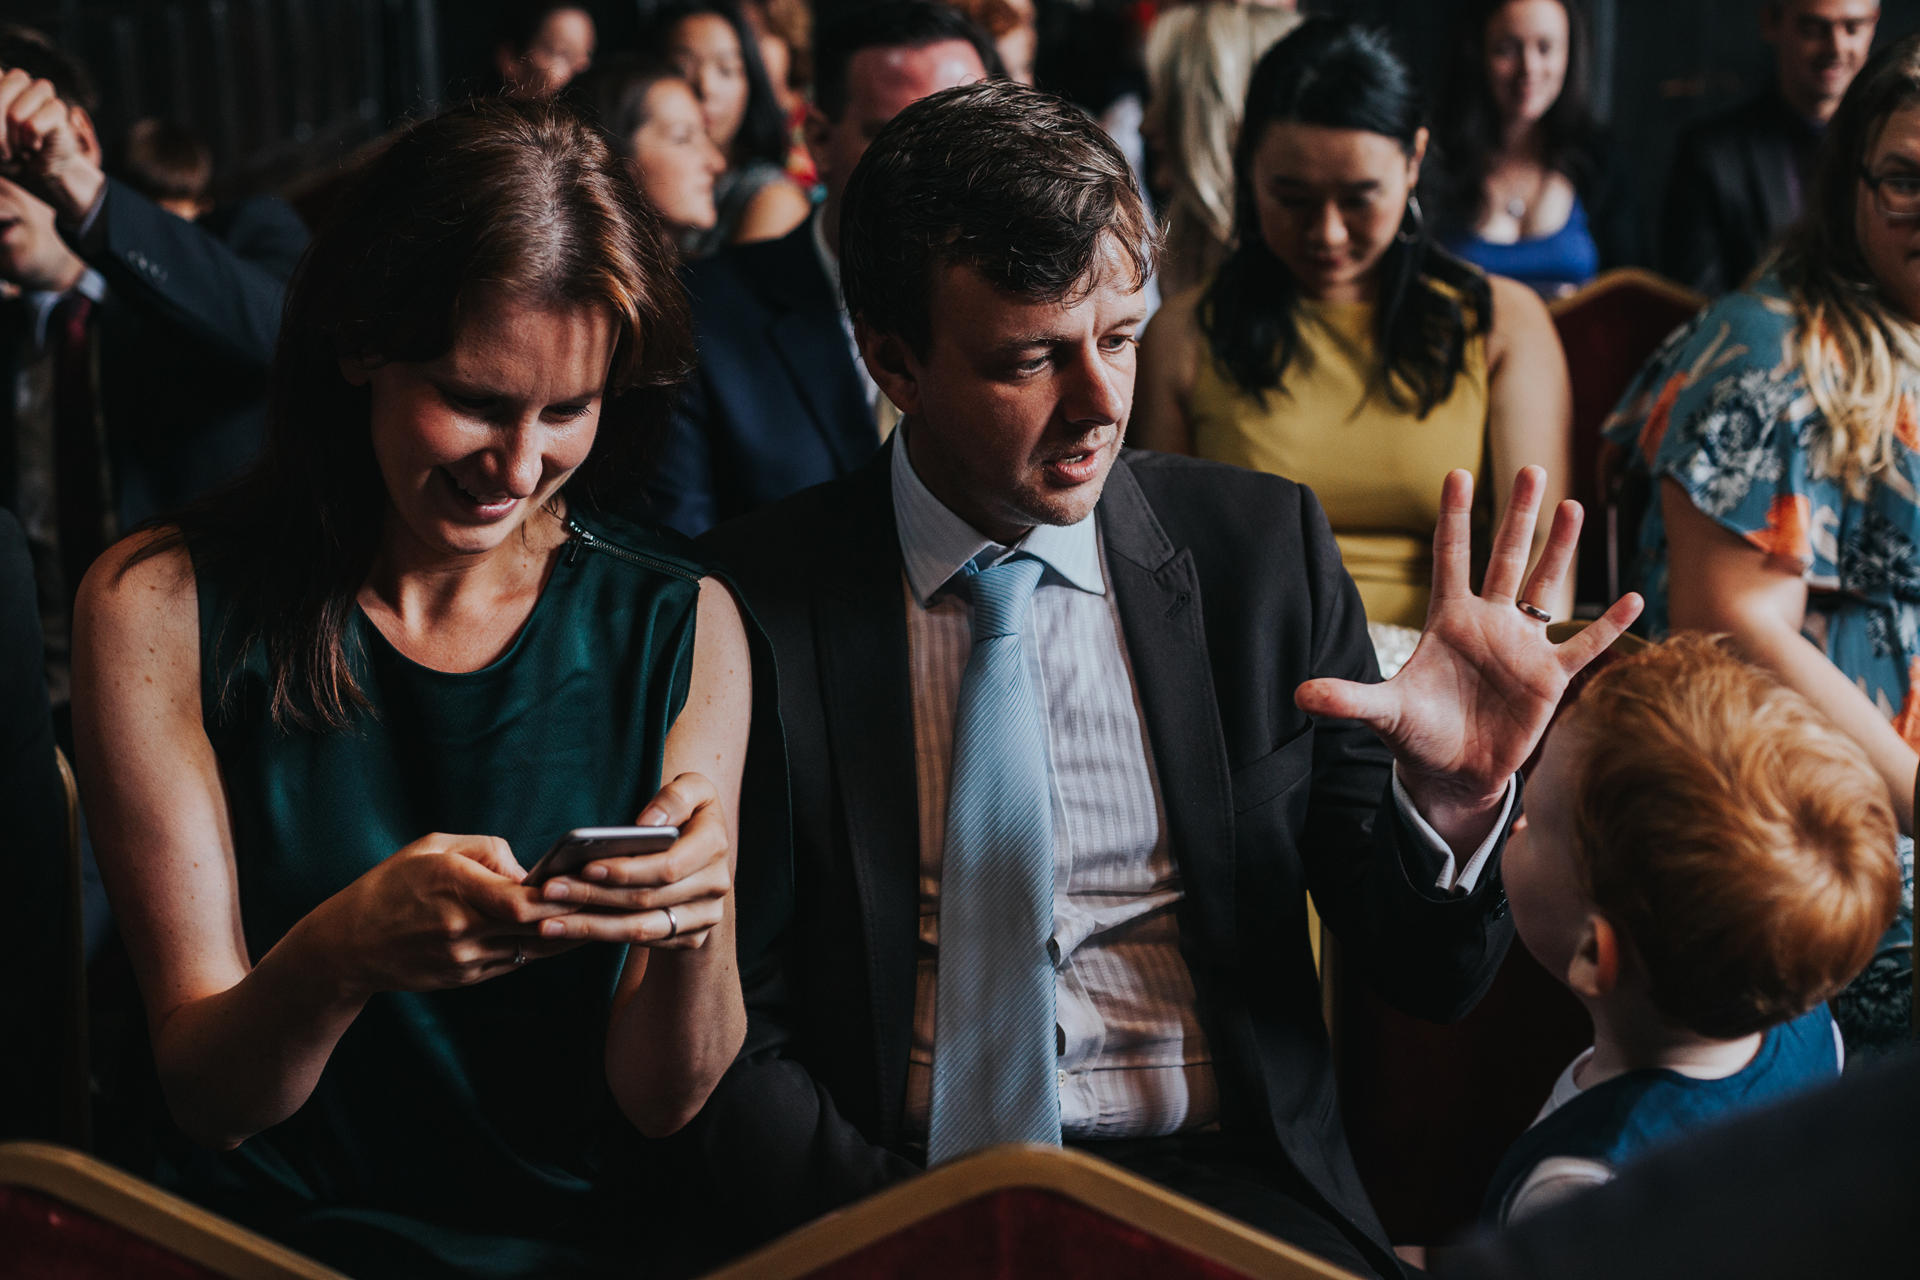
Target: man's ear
(1594,970)
(892,366)
(85,136)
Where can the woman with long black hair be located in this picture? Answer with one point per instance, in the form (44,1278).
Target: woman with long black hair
(328,719)
(1339,346)
(716,51)
(1528,185)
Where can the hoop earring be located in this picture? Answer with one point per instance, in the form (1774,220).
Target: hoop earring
(1419,222)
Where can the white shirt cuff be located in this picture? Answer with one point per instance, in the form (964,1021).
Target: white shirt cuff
(1450,880)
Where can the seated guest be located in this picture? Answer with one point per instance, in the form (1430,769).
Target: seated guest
(784,30)
(1779,431)
(169,164)
(1530,191)
(1822,1185)
(1339,346)
(1072,731)
(33,861)
(655,122)
(133,358)
(377,1043)
(715,49)
(1199,58)
(1741,178)
(539,47)
(1703,862)
(779,400)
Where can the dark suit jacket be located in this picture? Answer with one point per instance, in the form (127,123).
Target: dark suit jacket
(776,404)
(1824,1185)
(1736,184)
(186,337)
(1230,593)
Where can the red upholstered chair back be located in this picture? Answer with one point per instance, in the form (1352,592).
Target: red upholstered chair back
(1028,1213)
(67,1216)
(1431,1109)
(1608,329)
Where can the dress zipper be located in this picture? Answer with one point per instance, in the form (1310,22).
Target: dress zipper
(584,538)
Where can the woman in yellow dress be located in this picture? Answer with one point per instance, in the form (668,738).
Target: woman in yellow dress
(1339,346)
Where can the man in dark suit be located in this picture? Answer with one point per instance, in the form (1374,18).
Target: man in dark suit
(1072,731)
(1739,179)
(135,346)
(1824,1185)
(779,400)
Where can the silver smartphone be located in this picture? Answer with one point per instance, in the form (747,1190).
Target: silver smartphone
(590,844)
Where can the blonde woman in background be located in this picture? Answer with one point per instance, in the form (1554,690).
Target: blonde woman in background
(1782,432)
(1199,59)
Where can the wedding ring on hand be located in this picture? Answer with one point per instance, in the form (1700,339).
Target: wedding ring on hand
(519,955)
(673,926)
(1533,611)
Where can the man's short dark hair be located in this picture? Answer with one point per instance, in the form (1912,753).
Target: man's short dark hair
(891,24)
(27,50)
(1017,184)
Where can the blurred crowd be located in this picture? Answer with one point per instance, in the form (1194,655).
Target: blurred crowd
(845,261)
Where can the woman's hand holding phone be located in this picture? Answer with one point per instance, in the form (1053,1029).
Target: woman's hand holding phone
(668,900)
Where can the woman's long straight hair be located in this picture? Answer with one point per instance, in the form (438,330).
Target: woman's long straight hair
(1859,352)
(493,196)
(763,128)
(1341,76)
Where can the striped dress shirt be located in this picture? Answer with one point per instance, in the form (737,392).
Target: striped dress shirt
(1134,1061)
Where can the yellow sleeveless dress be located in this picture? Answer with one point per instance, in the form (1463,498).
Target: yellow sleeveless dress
(1376,469)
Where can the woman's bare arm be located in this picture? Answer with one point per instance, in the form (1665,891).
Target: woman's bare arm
(679,1018)
(1169,361)
(774,210)
(1530,411)
(1719,582)
(240,1046)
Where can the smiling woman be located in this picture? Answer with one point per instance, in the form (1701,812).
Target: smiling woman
(412,619)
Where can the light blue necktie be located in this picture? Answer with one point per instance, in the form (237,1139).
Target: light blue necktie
(994,1057)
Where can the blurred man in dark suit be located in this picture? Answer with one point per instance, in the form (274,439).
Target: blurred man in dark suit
(134,344)
(780,401)
(1740,178)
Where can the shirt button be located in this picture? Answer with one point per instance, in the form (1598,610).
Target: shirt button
(1063,1079)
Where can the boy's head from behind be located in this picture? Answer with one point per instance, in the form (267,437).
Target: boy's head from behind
(1703,836)
(169,164)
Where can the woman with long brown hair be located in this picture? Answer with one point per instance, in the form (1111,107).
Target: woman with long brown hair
(327,719)
(1779,429)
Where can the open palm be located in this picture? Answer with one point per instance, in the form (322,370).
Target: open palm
(1470,705)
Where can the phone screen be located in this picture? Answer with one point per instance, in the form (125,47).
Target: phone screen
(590,844)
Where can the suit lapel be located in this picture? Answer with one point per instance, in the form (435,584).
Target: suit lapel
(1158,595)
(808,337)
(860,616)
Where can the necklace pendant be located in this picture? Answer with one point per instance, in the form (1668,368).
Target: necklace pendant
(1516,208)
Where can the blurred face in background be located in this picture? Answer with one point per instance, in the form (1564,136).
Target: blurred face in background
(1890,244)
(775,56)
(1526,51)
(674,161)
(708,54)
(1330,203)
(1820,46)
(561,50)
(880,83)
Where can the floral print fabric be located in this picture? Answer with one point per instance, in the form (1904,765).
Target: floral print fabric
(1723,409)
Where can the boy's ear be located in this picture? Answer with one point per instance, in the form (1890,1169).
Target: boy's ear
(1594,970)
(892,366)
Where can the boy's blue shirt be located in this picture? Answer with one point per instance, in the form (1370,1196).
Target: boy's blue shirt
(1615,1122)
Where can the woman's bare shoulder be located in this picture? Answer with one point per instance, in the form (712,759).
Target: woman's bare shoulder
(145,580)
(1521,322)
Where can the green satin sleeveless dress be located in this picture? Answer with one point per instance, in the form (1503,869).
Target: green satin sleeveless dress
(471,1131)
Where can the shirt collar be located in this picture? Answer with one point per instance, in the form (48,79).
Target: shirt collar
(829,260)
(935,543)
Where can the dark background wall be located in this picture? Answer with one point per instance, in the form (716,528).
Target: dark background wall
(286,87)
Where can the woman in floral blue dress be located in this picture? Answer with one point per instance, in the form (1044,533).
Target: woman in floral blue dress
(1783,429)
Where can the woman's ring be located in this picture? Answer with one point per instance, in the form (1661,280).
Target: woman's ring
(519,956)
(673,925)
(1533,611)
